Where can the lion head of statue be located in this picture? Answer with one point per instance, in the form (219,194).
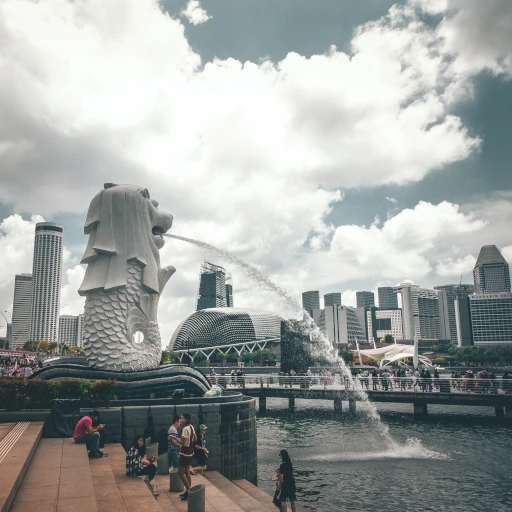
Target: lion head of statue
(124,224)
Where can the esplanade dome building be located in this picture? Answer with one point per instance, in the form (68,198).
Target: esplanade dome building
(216,327)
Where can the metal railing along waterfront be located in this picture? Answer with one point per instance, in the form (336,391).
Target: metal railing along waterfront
(379,383)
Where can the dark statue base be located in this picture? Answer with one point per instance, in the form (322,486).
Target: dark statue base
(161,381)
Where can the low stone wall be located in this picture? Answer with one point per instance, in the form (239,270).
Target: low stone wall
(231,437)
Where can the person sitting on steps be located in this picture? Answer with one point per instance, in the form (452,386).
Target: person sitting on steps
(86,433)
(136,462)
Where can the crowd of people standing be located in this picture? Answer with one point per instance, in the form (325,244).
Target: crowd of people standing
(22,366)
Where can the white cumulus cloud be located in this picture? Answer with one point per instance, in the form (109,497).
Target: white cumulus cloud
(194,13)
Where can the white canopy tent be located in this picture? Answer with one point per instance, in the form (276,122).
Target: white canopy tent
(391,353)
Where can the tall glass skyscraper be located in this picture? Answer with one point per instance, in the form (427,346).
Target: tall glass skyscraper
(46,282)
(491,273)
(332,299)
(311,301)
(215,287)
(388,299)
(365,299)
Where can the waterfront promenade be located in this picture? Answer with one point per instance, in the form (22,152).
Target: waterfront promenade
(418,392)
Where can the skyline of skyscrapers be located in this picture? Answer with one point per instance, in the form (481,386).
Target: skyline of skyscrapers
(46,282)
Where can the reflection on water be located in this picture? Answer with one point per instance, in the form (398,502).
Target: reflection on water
(458,459)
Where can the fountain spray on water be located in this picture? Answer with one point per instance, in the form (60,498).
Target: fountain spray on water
(321,342)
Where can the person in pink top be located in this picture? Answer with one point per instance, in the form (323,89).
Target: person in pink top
(86,433)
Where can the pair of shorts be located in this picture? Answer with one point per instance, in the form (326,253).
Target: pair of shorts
(184,461)
(174,458)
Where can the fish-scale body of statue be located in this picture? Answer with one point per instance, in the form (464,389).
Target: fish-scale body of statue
(123,280)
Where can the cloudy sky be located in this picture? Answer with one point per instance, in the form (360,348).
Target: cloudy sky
(336,145)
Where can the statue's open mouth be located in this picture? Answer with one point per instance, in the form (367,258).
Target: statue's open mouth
(157,231)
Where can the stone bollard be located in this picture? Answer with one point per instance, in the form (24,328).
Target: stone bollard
(175,484)
(196,498)
(162,464)
(152,450)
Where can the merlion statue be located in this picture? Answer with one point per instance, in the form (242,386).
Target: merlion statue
(123,280)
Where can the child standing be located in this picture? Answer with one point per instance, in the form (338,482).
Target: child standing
(276,501)
(201,452)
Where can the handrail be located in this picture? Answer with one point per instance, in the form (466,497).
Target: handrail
(379,383)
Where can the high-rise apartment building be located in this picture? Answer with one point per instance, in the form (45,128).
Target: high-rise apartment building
(21,310)
(491,318)
(213,292)
(311,301)
(447,294)
(332,299)
(46,282)
(69,330)
(420,312)
(365,299)
(491,273)
(388,299)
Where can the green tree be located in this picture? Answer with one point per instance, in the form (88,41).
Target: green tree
(389,338)
(346,355)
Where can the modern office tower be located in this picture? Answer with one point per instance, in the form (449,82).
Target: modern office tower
(229,291)
(463,321)
(332,299)
(46,282)
(491,318)
(365,299)
(381,322)
(447,294)
(212,288)
(388,299)
(491,273)
(311,301)
(69,330)
(21,310)
(420,312)
(340,324)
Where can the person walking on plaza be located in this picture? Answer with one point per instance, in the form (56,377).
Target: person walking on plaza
(186,443)
(287,480)
(173,450)
(86,433)
(137,464)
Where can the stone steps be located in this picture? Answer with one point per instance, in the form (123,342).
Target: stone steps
(17,446)
(116,492)
(58,479)
(250,502)
(257,493)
